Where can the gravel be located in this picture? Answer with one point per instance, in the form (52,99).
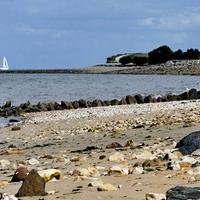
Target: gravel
(109,111)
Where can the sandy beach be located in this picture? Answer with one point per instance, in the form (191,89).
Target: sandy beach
(86,145)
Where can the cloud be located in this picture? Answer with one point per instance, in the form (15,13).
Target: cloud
(173,22)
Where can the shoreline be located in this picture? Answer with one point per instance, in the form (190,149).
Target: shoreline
(185,67)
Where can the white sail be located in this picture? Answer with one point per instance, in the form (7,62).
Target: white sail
(5,64)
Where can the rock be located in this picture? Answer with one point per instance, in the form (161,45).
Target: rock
(33,185)
(4,164)
(183,193)
(101,157)
(193,94)
(20,174)
(139,98)
(114,102)
(188,159)
(191,179)
(154,196)
(113,145)
(11,152)
(3,183)
(13,120)
(33,161)
(87,172)
(171,97)
(194,171)
(7,104)
(119,170)
(51,106)
(106,187)
(143,155)
(117,157)
(162,99)
(189,143)
(83,103)
(122,102)
(185,165)
(41,106)
(117,129)
(78,159)
(173,165)
(16,128)
(155,163)
(75,104)
(96,103)
(130,143)
(107,103)
(49,174)
(130,100)
(5,196)
(52,192)
(66,105)
(138,170)
(95,183)
(148,99)
(26,105)
(184,96)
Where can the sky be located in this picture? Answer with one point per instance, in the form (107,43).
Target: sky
(75,33)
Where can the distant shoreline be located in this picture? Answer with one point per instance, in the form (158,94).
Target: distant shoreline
(185,67)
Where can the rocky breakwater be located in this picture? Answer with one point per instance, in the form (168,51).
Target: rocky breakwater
(9,110)
(176,67)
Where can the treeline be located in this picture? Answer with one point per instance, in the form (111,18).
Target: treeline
(159,55)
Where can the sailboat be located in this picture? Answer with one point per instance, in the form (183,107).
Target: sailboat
(5,64)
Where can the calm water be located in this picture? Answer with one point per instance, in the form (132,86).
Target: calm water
(20,88)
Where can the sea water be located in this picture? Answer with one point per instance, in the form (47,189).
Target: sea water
(20,88)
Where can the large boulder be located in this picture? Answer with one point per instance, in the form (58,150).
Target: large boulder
(172,97)
(193,94)
(53,106)
(189,143)
(66,105)
(83,103)
(7,104)
(114,102)
(75,104)
(161,99)
(33,185)
(184,96)
(122,102)
(149,99)
(97,103)
(42,106)
(107,103)
(26,105)
(139,98)
(183,193)
(130,99)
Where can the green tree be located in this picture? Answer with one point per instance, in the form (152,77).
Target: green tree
(160,55)
(191,54)
(140,60)
(178,55)
(125,60)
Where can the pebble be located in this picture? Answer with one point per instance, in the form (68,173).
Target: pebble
(106,187)
(154,196)
(33,161)
(116,157)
